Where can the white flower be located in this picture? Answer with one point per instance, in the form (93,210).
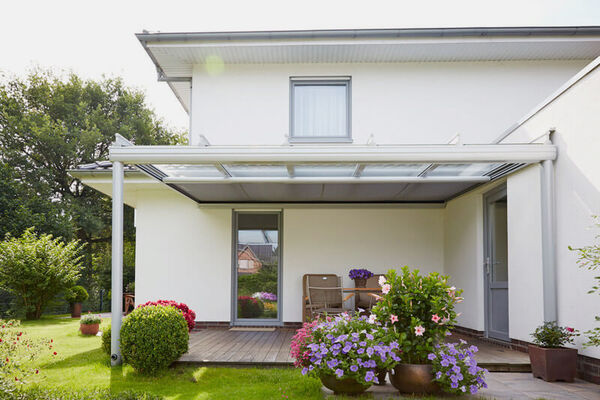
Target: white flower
(385,288)
(382,280)
(372,318)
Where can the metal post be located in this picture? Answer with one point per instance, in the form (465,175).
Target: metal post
(548,242)
(117,262)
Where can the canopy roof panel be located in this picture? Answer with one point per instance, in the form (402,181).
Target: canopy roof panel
(329,173)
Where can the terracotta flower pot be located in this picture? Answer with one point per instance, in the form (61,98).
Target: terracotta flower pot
(414,378)
(343,386)
(76,310)
(556,364)
(89,329)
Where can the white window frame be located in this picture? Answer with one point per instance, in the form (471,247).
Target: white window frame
(324,81)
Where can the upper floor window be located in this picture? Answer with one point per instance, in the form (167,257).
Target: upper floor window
(320,109)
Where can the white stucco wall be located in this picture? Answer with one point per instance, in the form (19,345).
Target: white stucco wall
(396,102)
(337,240)
(576,117)
(525,288)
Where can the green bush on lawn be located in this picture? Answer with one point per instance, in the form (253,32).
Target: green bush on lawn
(153,337)
(106,340)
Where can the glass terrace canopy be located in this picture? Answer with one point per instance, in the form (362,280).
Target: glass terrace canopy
(321,174)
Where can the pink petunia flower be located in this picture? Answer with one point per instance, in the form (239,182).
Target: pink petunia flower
(435,318)
(393,318)
(419,330)
(568,328)
(385,288)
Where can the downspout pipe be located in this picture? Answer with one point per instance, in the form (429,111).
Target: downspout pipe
(549,240)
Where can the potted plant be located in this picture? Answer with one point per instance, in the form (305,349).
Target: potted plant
(90,324)
(130,288)
(75,296)
(455,368)
(420,311)
(360,276)
(549,359)
(346,352)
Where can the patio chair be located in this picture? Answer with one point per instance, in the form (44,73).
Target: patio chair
(323,294)
(366,300)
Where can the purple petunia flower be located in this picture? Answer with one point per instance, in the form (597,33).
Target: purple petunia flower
(360,350)
(369,376)
(332,363)
(339,372)
(454,385)
(456,369)
(370,351)
(304,371)
(438,375)
(444,362)
(431,356)
(463,389)
(354,368)
(473,389)
(362,344)
(473,349)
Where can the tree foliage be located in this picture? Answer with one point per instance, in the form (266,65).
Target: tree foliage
(36,268)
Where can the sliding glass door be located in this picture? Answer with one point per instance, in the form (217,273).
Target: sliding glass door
(256,268)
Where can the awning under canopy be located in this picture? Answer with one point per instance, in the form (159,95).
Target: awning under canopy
(328,173)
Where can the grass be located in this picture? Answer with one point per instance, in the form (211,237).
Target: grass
(81,365)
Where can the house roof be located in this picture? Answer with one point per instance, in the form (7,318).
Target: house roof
(175,54)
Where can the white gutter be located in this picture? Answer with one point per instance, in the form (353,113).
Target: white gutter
(511,153)
(328,179)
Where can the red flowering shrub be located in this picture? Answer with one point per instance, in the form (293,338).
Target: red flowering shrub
(300,340)
(250,307)
(188,313)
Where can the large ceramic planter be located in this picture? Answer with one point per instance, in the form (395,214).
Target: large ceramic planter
(414,378)
(89,329)
(76,310)
(342,386)
(558,364)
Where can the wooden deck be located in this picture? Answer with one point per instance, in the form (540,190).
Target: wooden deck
(217,346)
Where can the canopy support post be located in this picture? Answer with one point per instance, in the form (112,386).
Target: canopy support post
(117,262)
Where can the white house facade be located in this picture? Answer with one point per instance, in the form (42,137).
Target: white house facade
(470,152)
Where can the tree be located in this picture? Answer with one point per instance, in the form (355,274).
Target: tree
(36,268)
(50,123)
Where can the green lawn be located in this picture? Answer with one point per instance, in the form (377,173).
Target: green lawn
(81,365)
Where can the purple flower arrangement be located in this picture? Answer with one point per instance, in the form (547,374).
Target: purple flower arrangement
(455,368)
(360,273)
(265,296)
(350,347)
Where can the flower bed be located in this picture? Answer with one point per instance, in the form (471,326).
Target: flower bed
(188,313)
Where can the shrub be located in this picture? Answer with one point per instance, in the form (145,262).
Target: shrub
(76,294)
(90,319)
(188,313)
(551,335)
(350,347)
(37,268)
(419,308)
(130,288)
(153,337)
(17,350)
(250,307)
(456,369)
(106,340)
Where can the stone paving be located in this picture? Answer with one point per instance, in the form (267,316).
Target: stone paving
(507,386)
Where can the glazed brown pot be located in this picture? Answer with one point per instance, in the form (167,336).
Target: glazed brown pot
(89,329)
(414,378)
(381,373)
(557,364)
(76,310)
(342,386)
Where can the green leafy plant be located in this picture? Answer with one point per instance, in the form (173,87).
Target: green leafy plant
(18,350)
(36,268)
(551,335)
(153,337)
(106,337)
(130,288)
(76,294)
(250,307)
(589,257)
(90,319)
(419,309)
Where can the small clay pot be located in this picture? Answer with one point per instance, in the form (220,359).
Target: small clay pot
(89,329)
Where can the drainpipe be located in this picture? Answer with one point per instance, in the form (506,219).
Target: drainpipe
(117,262)
(548,239)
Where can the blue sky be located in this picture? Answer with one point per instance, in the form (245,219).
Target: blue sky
(96,38)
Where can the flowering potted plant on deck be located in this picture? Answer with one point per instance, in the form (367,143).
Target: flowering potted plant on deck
(89,324)
(346,352)
(420,311)
(549,359)
(360,276)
